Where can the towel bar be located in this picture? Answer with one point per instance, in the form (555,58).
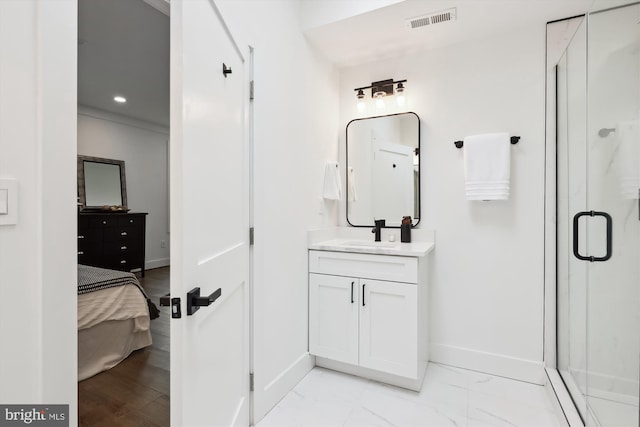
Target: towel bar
(514,140)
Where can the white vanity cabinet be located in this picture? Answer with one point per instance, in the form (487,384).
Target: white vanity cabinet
(367,315)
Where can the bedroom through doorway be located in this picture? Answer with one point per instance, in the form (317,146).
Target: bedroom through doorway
(123,213)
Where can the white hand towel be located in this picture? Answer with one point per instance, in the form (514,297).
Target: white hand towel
(487,166)
(628,158)
(351,179)
(332,184)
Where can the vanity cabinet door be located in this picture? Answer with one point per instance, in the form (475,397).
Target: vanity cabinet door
(333,317)
(389,327)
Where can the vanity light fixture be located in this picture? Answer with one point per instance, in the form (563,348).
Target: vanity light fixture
(120,99)
(379,91)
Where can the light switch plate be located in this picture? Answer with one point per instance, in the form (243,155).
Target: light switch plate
(8,201)
(4,201)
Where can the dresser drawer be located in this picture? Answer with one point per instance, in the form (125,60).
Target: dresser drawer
(89,248)
(122,234)
(381,267)
(103,221)
(122,247)
(123,261)
(130,220)
(90,256)
(89,235)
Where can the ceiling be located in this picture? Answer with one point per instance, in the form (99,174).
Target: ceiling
(123,49)
(123,45)
(382,33)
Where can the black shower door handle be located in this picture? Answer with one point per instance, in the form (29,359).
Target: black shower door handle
(576,232)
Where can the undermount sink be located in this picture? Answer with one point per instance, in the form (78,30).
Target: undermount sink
(368,244)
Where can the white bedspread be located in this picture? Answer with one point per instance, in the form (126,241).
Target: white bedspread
(118,303)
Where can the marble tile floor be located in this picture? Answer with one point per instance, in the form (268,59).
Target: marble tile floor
(449,397)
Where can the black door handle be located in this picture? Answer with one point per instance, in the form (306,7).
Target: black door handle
(195,301)
(576,232)
(363,285)
(352,292)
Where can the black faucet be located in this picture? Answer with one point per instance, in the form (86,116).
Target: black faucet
(380,223)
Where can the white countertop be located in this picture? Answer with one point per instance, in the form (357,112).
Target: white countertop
(413,249)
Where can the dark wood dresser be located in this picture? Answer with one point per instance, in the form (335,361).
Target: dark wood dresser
(112,240)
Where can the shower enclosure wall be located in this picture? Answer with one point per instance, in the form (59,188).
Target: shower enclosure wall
(597,218)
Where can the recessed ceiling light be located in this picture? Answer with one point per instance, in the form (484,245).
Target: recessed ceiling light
(120,99)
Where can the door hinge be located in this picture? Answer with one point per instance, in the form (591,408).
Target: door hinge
(250,381)
(251,94)
(251,236)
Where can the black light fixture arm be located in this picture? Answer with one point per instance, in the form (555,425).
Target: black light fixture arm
(381,86)
(378,84)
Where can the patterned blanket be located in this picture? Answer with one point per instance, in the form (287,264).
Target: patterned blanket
(91,279)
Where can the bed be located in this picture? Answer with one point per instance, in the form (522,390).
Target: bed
(114,316)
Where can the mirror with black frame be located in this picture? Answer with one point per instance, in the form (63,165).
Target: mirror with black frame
(383,170)
(101,184)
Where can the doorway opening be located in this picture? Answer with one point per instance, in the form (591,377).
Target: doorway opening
(123,114)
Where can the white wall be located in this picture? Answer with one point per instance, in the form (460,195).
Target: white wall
(38,43)
(295,133)
(143,147)
(486,284)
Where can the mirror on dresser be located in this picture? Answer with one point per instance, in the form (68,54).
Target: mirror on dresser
(108,235)
(101,183)
(383,169)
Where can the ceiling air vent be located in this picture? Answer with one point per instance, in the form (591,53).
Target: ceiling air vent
(432,18)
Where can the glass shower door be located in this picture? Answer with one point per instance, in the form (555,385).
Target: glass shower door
(571,110)
(613,185)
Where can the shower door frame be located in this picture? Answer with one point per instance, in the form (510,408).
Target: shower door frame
(555,384)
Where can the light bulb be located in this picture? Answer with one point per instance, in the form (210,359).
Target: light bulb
(401,99)
(361,105)
(380,104)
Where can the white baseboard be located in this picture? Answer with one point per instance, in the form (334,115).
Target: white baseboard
(267,395)
(156,263)
(491,363)
(408,383)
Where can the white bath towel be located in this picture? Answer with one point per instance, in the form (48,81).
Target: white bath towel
(487,166)
(628,158)
(351,180)
(332,184)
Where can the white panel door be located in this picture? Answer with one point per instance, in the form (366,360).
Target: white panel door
(209,220)
(333,317)
(392,175)
(389,327)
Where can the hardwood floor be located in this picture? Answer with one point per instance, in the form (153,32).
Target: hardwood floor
(136,392)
